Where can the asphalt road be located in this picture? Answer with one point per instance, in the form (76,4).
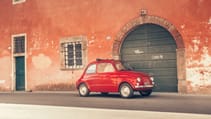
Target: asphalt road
(161,102)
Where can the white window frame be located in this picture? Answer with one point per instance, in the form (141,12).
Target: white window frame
(18,2)
(14,55)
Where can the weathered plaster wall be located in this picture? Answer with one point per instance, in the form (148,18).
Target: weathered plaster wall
(199,60)
(45,23)
(197,35)
(5,55)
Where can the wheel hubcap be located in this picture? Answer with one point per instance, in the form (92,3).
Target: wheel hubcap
(125,91)
(83,90)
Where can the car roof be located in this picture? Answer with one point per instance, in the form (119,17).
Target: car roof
(104,61)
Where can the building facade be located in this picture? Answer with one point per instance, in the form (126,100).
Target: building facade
(46,44)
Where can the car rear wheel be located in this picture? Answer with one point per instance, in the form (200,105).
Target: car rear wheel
(126,91)
(83,90)
(146,93)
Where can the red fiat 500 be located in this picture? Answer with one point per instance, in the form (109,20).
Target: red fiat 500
(110,76)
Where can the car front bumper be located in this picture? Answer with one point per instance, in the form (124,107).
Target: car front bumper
(144,86)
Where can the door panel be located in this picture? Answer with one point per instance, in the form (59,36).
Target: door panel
(107,82)
(92,81)
(20,73)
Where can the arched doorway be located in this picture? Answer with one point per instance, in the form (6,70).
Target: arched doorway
(146,22)
(151,48)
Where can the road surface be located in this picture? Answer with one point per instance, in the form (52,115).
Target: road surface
(158,102)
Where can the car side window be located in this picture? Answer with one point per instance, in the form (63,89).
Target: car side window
(105,67)
(91,69)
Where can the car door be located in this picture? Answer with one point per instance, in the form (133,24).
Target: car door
(105,72)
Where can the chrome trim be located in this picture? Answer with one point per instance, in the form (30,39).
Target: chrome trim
(152,78)
(144,86)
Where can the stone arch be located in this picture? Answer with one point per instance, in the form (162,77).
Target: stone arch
(182,86)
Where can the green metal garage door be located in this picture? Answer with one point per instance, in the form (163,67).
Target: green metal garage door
(150,48)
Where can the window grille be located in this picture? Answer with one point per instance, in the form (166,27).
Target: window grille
(19,44)
(72,52)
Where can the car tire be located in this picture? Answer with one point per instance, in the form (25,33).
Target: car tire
(125,90)
(146,93)
(83,90)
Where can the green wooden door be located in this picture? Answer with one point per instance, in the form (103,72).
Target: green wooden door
(20,73)
(151,48)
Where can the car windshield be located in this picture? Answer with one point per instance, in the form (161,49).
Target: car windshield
(119,66)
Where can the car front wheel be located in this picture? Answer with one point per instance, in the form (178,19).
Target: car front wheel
(146,93)
(83,90)
(126,91)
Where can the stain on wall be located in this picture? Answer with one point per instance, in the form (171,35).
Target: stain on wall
(5,73)
(199,60)
(41,61)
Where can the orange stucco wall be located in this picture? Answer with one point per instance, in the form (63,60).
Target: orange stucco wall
(47,21)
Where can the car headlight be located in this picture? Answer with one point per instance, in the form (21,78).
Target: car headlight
(152,78)
(138,79)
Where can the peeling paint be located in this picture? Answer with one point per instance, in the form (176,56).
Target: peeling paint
(91,42)
(47,44)
(108,37)
(206,58)
(52,44)
(199,76)
(100,46)
(36,40)
(182,26)
(41,61)
(209,21)
(206,40)
(196,42)
(92,37)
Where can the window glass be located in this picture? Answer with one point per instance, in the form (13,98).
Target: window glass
(78,54)
(70,55)
(105,67)
(91,69)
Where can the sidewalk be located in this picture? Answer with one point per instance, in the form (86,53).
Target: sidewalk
(19,111)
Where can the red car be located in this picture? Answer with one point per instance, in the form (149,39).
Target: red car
(110,76)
